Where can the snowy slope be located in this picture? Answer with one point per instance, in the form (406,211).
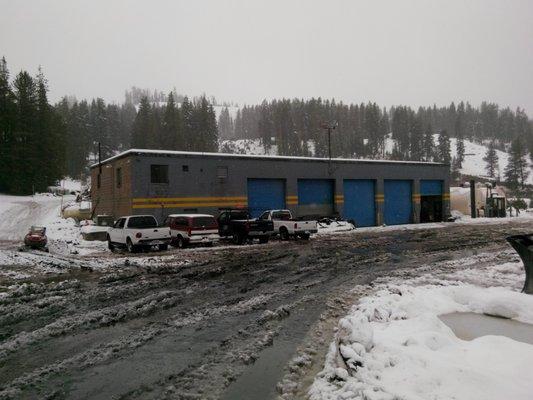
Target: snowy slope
(18,213)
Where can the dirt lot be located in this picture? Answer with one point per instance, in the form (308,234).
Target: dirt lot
(218,323)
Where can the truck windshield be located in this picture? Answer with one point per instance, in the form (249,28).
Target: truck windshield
(199,222)
(142,222)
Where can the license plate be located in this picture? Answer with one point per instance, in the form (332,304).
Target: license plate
(307,232)
(205,239)
(155,242)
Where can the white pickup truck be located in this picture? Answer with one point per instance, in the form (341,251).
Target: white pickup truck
(136,232)
(286,226)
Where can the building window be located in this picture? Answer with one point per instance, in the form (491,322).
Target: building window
(222,173)
(119,177)
(185,168)
(159,173)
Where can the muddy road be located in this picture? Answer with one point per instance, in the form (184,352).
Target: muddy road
(200,324)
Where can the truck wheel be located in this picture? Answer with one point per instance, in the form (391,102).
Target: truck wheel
(283,233)
(129,245)
(180,243)
(238,238)
(110,244)
(263,239)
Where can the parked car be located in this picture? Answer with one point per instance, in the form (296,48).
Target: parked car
(138,232)
(286,226)
(36,238)
(238,225)
(188,229)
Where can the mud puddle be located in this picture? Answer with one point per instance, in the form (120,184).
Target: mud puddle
(469,326)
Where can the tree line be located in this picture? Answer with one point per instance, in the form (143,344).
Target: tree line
(41,143)
(32,146)
(365,130)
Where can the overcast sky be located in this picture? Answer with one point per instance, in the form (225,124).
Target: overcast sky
(391,52)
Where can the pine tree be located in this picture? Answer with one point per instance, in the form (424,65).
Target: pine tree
(7,120)
(516,171)
(443,148)
(171,132)
(99,127)
(417,140)
(154,134)
(491,158)
(460,149)
(26,144)
(142,125)
(455,169)
(225,124)
(50,136)
(187,126)
(428,144)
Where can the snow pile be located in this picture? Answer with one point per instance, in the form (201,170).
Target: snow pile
(392,345)
(18,213)
(334,227)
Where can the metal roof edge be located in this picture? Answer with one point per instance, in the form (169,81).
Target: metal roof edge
(256,156)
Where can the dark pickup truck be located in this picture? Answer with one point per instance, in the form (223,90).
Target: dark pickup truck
(240,227)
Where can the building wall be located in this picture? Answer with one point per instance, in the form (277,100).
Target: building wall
(110,199)
(195,183)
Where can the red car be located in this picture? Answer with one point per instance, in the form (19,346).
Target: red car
(188,229)
(36,237)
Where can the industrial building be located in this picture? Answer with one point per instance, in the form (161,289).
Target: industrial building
(370,192)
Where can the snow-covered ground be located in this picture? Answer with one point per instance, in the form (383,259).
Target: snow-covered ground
(392,344)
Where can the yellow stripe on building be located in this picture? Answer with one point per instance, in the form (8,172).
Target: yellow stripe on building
(291,200)
(189,205)
(188,199)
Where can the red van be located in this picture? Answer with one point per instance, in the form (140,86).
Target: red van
(187,229)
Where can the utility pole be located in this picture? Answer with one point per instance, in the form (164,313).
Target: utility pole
(99,159)
(329,126)
(473,208)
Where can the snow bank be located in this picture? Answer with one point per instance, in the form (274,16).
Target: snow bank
(334,227)
(393,345)
(18,213)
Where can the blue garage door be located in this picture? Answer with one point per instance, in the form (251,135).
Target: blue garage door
(430,188)
(315,196)
(265,194)
(359,201)
(398,203)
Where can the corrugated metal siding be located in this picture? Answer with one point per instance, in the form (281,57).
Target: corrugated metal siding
(431,187)
(398,202)
(315,196)
(265,194)
(359,201)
